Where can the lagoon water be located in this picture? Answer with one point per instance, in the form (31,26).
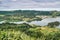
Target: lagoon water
(43,22)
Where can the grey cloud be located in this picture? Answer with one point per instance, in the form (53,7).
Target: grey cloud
(45,0)
(17,4)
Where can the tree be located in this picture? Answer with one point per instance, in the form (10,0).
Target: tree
(54,13)
(53,24)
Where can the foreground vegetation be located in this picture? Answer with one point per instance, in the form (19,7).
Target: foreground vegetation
(25,31)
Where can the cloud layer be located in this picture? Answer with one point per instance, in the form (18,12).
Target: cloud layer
(29,4)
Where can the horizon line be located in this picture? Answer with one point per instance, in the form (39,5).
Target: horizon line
(37,9)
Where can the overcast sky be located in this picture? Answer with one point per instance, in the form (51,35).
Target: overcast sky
(30,4)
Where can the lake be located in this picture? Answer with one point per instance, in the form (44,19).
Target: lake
(43,22)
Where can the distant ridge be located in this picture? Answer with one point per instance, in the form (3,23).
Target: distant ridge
(26,12)
(40,9)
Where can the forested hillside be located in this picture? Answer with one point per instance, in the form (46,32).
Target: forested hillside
(26,12)
(27,32)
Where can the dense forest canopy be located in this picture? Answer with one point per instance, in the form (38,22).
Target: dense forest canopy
(27,32)
(27,12)
(30,13)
